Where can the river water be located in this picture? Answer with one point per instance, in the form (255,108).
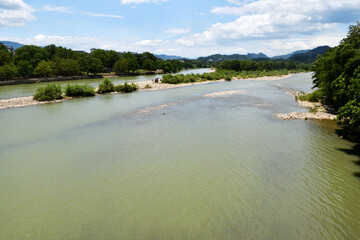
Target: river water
(24,90)
(201,162)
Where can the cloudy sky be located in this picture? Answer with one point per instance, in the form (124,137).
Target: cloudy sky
(188,28)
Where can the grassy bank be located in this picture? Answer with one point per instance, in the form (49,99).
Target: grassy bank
(223,74)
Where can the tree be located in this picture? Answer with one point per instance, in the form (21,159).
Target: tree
(30,53)
(5,57)
(3,47)
(126,64)
(65,67)
(112,58)
(25,69)
(94,65)
(337,74)
(8,71)
(71,67)
(102,55)
(43,69)
(148,65)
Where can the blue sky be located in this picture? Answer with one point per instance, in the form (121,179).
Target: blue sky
(189,28)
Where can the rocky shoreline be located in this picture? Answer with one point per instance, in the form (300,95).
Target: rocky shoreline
(316,110)
(24,102)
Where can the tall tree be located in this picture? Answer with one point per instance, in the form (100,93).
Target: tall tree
(30,53)
(25,69)
(43,69)
(126,64)
(337,74)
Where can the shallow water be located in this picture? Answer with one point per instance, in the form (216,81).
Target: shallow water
(177,164)
(24,90)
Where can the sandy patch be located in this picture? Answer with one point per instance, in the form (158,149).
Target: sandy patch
(223,93)
(151,85)
(306,115)
(269,78)
(23,102)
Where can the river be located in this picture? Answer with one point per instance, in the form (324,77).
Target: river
(201,162)
(25,90)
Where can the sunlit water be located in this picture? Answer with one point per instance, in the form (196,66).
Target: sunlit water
(177,164)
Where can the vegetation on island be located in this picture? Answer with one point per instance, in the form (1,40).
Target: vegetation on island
(126,88)
(106,87)
(337,75)
(227,75)
(53,92)
(76,90)
(50,92)
(241,69)
(251,65)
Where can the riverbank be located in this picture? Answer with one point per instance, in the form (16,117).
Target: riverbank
(143,86)
(49,79)
(69,78)
(316,110)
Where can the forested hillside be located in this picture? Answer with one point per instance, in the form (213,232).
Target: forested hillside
(337,75)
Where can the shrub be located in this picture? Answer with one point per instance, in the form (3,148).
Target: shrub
(49,93)
(147,86)
(316,96)
(126,88)
(106,86)
(79,91)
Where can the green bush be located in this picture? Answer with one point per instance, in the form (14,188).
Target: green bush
(79,91)
(316,96)
(126,88)
(228,78)
(220,74)
(49,93)
(106,86)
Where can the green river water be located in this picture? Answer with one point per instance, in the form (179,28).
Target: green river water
(176,164)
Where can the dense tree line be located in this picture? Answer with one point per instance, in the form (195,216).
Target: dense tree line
(337,75)
(33,61)
(251,65)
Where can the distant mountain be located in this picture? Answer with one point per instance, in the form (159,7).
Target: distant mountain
(168,57)
(291,54)
(220,57)
(309,56)
(304,55)
(256,55)
(15,45)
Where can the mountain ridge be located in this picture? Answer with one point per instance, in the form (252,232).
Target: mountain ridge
(308,55)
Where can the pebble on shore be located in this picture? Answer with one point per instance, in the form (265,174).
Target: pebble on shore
(22,102)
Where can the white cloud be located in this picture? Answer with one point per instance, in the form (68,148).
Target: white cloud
(64,9)
(101,15)
(291,23)
(150,43)
(141,1)
(177,31)
(65,41)
(317,10)
(57,9)
(15,13)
